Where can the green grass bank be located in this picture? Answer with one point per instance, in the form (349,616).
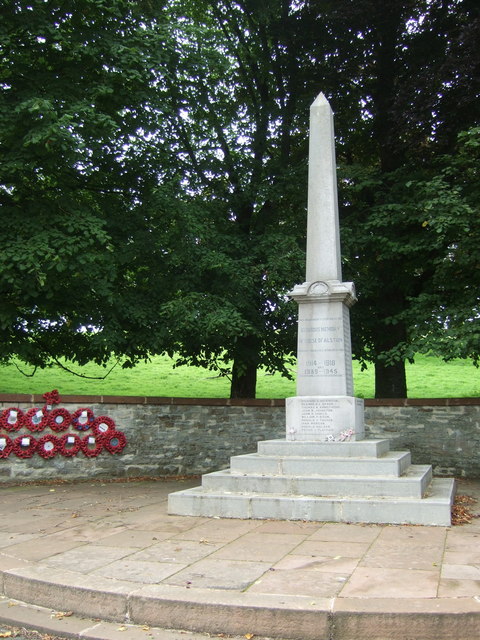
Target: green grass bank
(428,377)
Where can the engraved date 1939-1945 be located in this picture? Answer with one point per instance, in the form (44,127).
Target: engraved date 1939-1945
(319,367)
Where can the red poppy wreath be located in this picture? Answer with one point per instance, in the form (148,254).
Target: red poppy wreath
(51,398)
(24,446)
(82,419)
(115,442)
(103,426)
(6,446)
(47,446)
(59,419)
(91,446)
(69,445)
(12,419)
(36,419)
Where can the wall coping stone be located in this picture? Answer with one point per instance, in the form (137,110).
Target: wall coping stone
(228,402)
(222,402)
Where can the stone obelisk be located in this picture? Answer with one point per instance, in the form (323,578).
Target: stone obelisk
(314,474)
(324,408)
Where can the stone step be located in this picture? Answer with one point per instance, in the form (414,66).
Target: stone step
(413,483)
(358,449)
(393,463)
(433,509)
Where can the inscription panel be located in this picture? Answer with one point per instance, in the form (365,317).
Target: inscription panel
(324,419)
(317,416)
(324,350)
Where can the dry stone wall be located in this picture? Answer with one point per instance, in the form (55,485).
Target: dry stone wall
(185,437)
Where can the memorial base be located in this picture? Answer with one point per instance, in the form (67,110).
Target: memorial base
(322,481)
(324,418)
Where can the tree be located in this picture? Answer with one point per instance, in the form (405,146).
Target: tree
(450,307)
(154,178)
(394,121)
(233,125)
(76,114)
(139,186)
(399,124)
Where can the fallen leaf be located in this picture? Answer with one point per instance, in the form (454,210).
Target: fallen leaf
(249,636)
(60,615)
(5,634)
(122,629)
(461,512)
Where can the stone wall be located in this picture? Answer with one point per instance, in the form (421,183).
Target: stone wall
(175,436)
(442,432)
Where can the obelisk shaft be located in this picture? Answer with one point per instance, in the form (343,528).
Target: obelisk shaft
(324,408)
(323,237)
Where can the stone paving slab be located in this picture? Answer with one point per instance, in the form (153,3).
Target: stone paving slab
(110,552)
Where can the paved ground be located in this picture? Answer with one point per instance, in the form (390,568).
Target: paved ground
(111,552)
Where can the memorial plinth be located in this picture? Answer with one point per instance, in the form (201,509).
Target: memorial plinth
(324,353)
(324,408)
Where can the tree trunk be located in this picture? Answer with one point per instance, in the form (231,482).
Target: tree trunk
(390,381)
(244,370)
(244,380)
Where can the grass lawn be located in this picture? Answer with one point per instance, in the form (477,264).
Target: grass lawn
(429,377)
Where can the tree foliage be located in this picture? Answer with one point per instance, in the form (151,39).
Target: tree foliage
(75,115)
(415,61)
(148,205)
(153,177)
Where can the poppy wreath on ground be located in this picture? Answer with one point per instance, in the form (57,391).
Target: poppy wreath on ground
(24,446)
(91,446)
(36,419)
(103,426)
(12,419)
(59,419)
(82,419)
(115,442)
(6,446)
(47,446)
(69,445)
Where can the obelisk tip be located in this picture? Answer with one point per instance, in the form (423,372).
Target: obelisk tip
(320,101)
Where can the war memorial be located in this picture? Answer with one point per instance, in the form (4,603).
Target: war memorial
(324,469)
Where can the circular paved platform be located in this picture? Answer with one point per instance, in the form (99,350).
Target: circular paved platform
(110,552)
